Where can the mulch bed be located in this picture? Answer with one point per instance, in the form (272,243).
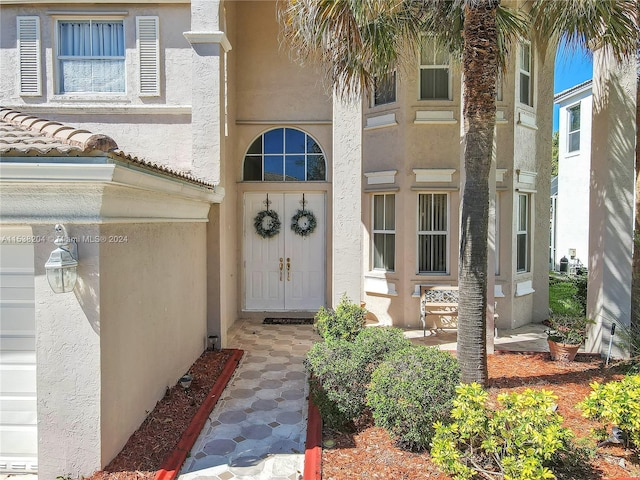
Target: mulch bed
(159,434)
(370,453)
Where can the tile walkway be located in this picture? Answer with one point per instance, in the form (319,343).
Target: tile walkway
(258,428)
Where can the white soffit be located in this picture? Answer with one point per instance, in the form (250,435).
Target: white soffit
(378,178)
(434,175)
(381,121)
(434,117)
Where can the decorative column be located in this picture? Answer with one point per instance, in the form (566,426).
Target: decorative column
(611,199)
(209,43)
(347,199)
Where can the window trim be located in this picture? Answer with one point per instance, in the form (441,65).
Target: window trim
(382,231)
(528,73)
(570,132)
(526,233)
(119,17)
(446,233)
(422,67)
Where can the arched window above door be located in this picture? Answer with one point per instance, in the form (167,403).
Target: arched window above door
(284,155)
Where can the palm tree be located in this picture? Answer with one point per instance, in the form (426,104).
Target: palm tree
(360,39)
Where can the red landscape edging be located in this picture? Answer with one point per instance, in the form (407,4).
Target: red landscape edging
(171,466)
(313,450)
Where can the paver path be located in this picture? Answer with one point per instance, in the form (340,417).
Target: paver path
(257,430)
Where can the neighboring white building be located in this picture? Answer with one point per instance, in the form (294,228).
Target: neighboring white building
(574,175)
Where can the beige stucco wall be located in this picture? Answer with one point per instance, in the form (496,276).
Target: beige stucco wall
(611,200)
(68,362)
(152,318)
(154,128)
(136,320)
(405,145)
(266,90)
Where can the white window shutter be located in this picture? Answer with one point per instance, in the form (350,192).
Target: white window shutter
(30,82)
(148,56)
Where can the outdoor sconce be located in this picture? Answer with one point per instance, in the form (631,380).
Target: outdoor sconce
(62,266)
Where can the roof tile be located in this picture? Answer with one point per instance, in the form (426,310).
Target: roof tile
(27,135)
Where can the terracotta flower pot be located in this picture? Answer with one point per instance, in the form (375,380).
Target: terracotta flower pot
(562,352)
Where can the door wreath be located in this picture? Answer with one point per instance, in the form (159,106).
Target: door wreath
(304,222)
(267,223)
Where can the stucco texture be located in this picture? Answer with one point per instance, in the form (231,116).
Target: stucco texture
(153,318)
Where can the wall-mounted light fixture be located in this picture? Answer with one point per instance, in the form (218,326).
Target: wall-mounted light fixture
(62,266)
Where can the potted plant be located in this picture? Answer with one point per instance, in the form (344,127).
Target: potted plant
(565,335)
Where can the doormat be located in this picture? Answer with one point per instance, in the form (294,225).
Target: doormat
(288,321)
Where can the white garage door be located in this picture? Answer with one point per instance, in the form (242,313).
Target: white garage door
(18,421)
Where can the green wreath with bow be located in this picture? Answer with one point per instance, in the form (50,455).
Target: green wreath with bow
(304,222)
(267,223)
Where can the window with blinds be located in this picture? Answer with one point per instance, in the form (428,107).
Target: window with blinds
(90,56)
(433,233)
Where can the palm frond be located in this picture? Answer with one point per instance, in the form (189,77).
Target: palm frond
(589,24)
(353,40)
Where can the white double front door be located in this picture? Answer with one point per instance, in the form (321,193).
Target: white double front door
(285,271)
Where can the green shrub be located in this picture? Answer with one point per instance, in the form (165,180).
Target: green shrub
(345,322)
(373,345)
(580,296)
(630,336)
(410,390)
(564,297)
(341,371)
(617,403)
(521,439)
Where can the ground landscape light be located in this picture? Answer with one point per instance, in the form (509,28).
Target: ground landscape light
(62,266)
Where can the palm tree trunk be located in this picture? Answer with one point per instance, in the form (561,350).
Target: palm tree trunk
(635,279)
(480,73)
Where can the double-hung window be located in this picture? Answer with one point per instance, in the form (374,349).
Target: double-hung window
(522,233)
(384,232)
(573,140)
(90,56)
(434,71)
(433,232)
(526,96)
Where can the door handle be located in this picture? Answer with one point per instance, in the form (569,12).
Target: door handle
(281,266)
(288,269)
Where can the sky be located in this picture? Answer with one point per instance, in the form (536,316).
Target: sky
(572,68)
